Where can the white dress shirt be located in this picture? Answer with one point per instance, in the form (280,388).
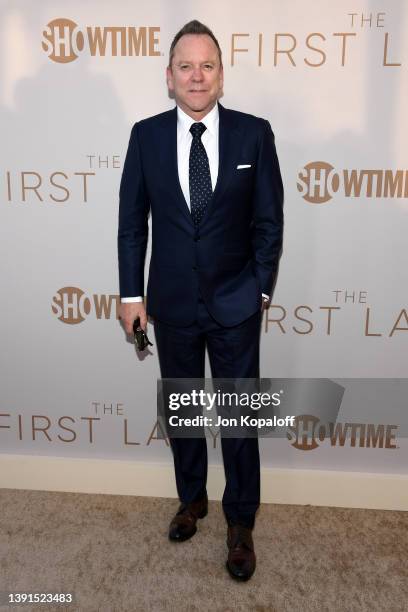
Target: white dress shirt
(184,138)
(209,140)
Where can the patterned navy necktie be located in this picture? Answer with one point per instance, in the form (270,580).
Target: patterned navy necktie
(199,175)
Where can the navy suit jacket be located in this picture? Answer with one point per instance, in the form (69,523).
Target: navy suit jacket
(232,258)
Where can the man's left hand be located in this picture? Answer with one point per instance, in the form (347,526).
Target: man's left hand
(265,304)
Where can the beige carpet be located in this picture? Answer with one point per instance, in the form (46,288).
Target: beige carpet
(113,552)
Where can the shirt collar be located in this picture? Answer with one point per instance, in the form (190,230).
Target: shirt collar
(210,120)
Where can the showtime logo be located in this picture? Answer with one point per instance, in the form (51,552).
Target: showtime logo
(71,305)
(63,41)
(308,431)
(319,182)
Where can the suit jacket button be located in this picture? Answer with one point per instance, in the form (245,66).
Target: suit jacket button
(194,268)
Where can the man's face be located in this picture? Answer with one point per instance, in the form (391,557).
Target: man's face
(195,75)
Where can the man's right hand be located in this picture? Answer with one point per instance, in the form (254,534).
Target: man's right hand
(129,311)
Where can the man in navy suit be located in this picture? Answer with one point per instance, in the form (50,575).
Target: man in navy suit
(211,180)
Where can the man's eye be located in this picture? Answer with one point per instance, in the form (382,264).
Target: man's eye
(184,67)
(208,66)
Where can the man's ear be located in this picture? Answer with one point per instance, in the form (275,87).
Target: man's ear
(221,78)
(169,78)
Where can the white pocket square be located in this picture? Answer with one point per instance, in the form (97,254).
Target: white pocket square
(241,166)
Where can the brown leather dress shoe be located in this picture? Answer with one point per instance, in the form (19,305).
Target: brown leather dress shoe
(241,561)
(183,526)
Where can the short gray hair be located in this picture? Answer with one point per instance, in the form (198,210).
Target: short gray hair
(193,27)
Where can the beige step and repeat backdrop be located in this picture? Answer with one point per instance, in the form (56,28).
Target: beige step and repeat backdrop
(332,80)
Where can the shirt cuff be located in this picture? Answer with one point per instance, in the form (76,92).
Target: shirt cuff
(266,297)
(126,300)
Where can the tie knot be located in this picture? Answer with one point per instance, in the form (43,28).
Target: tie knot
(197,129)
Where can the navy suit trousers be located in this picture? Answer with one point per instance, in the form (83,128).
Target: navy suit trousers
(233,353)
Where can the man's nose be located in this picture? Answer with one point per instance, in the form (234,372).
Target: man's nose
(197,74)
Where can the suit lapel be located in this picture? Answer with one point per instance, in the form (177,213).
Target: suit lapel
(168,160)
(228,141)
